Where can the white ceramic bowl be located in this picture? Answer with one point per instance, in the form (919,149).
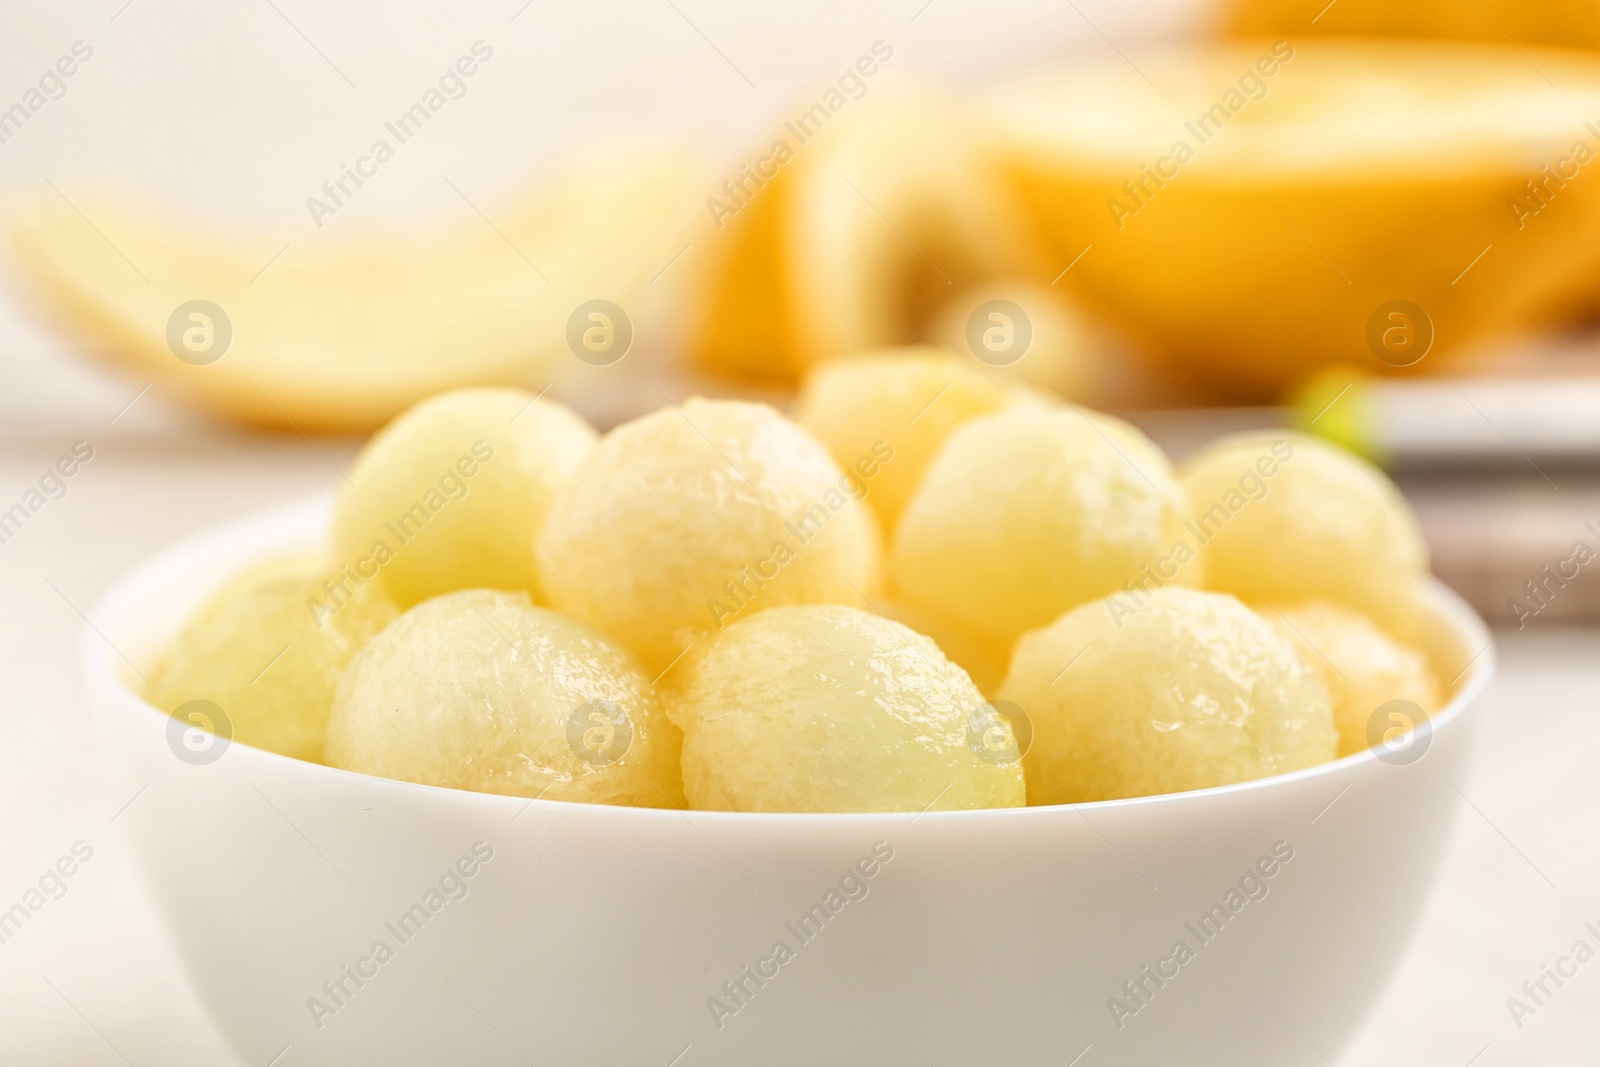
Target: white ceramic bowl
(603,935)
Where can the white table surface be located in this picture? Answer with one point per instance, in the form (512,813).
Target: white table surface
(91,979)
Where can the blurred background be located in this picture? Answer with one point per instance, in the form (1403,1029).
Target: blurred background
(237,238)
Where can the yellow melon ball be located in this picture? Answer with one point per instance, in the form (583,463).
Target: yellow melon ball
(482,690)
(452,493)
(1286,517)
(829,708)
(268,650)
(984,662)
(1024,328)
(1188,691)
(883,414)
(1026,513)
(1363,667)
(696,515)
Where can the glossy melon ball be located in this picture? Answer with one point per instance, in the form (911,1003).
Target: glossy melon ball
(884,414)
(697,515)
(984,662)
(1287,517)
(451,494)
(1185,690)
(829,708)
(1362,666)
(482,690)
(1026,513)
(268,650)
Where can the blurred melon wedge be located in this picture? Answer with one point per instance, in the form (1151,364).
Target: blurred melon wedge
(871,224)
(349,326)
(1561,23)
(1354,174)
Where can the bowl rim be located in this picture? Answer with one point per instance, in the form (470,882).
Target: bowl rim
(97,654)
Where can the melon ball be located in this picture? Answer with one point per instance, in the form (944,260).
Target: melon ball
(1287,517)
(883,415)
(692,517)
(829,708)
(994,319)
(482,690)
(268,650)
(451,494)
(1362,666)
(985,663)
(1026,513)
(1185,690)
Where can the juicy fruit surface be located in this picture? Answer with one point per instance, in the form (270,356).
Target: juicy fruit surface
(257,651)
(482,690)
(689,518)
(452,494)
(1192,690)
(984,661)
(1026,514)
(1401,105)
(1563,23)
(1363,667)
(1322,525)
(806,270)
(828,708)
(1367,145)
(907,400)
(344,332)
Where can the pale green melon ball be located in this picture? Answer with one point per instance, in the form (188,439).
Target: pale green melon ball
(984,662)
(451,494)
(1363,667)
(1286,517)
(697,515)
(1026,513)
(1187,690)
(829,708)
(268,649)
(482,690)
(884,414)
